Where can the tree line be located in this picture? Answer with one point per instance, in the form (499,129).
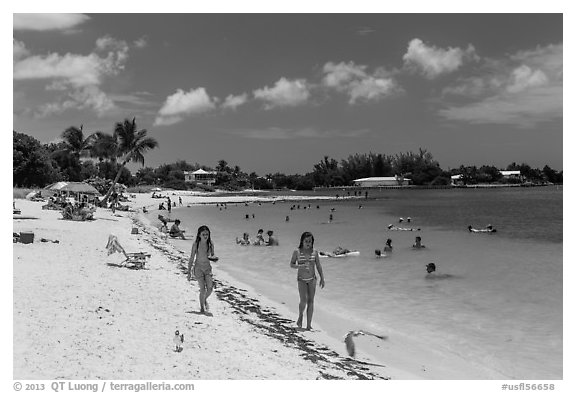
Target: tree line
(37,165)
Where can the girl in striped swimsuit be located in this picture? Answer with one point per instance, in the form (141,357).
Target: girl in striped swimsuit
(306,260)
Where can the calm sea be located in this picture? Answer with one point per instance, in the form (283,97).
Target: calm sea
(497,303)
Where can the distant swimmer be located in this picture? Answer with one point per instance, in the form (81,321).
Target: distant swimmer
(245,241)
(260,238)
(388,246)
(272,241)
(418,243)
(488,229)
(338,252)
(393,227)
(432,274)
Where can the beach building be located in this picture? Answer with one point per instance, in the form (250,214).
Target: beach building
(456,179)
(511,175)
(201,177)
(382,181)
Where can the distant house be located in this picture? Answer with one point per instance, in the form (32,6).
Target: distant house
(456,179)
(201,177)
(511,174)
(382,181)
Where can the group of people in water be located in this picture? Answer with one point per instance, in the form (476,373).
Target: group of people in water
(260,241)
(305,259)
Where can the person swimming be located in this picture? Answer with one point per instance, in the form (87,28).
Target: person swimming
(487,229)
(393,227)
(418,243)
(431,270)
(245,241)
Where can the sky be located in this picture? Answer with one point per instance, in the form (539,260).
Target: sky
(277,92)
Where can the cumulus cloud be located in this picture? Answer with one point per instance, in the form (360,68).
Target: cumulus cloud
(43,22)
(340,76)
(432,61)
(182,104)
(141,43)
(355,81)
(522,89)
(78,77)
(284,93)
(19,50)
(233,102)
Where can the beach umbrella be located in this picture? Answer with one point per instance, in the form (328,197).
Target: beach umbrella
(80,187)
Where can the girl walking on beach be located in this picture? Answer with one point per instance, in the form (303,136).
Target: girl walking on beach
(200,257)
(306,260)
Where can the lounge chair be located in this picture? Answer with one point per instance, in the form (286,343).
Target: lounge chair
(134,260)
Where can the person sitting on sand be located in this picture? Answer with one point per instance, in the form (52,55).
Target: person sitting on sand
(272,241)
(388,246)
(245,241)
(418,243)
(260,238)
(175,230)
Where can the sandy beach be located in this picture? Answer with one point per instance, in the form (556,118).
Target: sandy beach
(78,315)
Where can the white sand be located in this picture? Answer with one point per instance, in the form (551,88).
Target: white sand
(76,315)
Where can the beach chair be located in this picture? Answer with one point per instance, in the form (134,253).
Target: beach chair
(134,260)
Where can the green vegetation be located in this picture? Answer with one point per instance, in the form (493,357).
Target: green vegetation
(100,159)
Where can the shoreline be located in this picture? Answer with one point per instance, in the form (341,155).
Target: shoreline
(412,359)
(79,316)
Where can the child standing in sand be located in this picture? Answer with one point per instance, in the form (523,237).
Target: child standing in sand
(306,260)
(200,257)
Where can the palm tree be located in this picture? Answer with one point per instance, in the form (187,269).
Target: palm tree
(73,146)
(132,144)
(104,146)
(75,143)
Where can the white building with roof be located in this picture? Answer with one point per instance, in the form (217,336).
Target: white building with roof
(382,181)
(201,177)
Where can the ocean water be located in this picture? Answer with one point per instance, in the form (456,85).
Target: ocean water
(495,301)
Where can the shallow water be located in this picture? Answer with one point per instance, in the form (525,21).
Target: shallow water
(495,301)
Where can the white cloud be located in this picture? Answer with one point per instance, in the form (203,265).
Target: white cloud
(43,22)
(370,89)
(355,81)
(19,50)
(524,78)
(182,104)
(233,102)
(432,61)
(88,97)
(523,111)
(76,77)
(284,93)
(523,89)
(141,43)
(339,76)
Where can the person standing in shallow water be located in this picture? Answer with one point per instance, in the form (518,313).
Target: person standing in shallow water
(306,260)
